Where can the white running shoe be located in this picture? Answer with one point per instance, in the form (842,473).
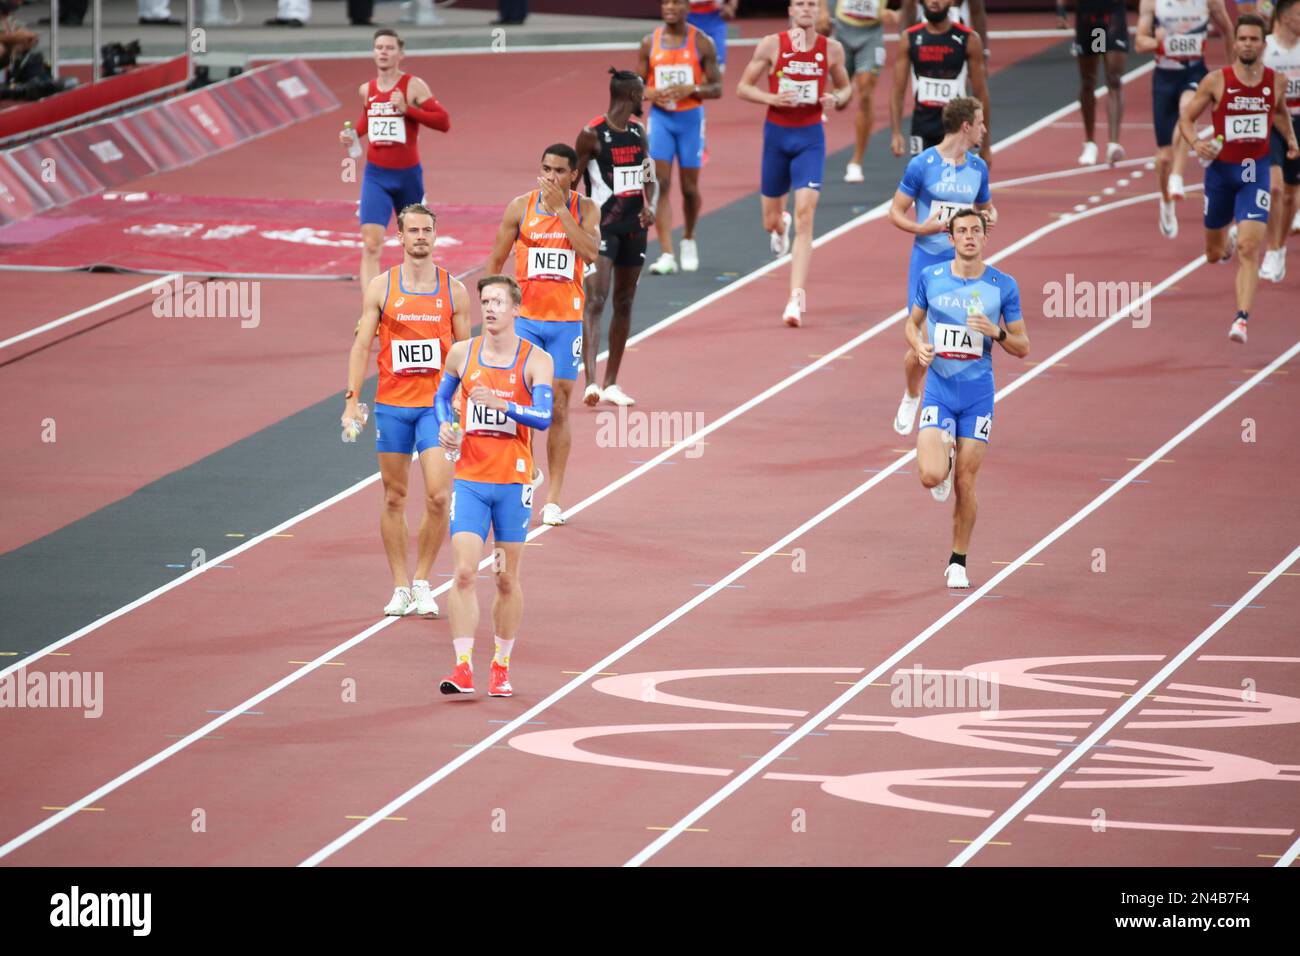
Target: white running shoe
(905,418)
(781,240)
(1281,264)
(1114,153)
(956,576)
(943,489)
(552,515)
(853,173)
(1268,269)
(422,595)
(1168,219)
(1176,188)
(690,254)
(792,316)
(592,395)
(664,265)
(1089,155)
(1238,331)
(616,396)
(401,604)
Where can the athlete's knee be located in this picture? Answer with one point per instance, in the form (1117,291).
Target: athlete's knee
(932,475)
(1248,247)
(690,192)
(1114,80)
(964,482)
(507,583)
(436,502)
(772,221)
(803,218)
(395,497)
(559,415)
(596,302)
(466,573)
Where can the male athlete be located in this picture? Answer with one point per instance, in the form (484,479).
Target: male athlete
(1245,98)
(973,13)
(555,232)
(1176,31)
(796,64)
(952,327)
(1100,35)
(1282,55)
(938,54)
(620,177)
(505,393)
(942,180)
(394,106)
(680,68)
(859,26)
(710,16)
(419,310)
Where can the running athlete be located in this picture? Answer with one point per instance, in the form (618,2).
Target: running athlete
(555,232)
(859,26)
(938,54)
(941,181)
(1282,55)
(962,304)
(1245,96)
(504,386)
(796,64)
(711,16)
(1100,33)
(418,311)
(620,176)
(394,105)
(680,68)
(1175,31)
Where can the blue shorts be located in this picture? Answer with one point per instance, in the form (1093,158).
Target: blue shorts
(1277,153)
(386,192)
(962,409)
(922,260)
(1166,90)
(677,134)
(562,341)
(1229,196)
(794,157)
(477,506)
(715,27)
(403,430)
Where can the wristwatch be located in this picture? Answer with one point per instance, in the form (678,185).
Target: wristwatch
(1002,335)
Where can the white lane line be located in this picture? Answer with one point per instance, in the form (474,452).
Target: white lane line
(902,653)
(1150,687)
(73,316)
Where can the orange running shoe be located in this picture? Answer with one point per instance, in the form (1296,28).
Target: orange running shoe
(459,681)
(499,681)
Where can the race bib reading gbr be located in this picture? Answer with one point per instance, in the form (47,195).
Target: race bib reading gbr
(547,262)
(1185,46)
(1246,126)
(957,342)
(412,356)
(386,129)
(480,419)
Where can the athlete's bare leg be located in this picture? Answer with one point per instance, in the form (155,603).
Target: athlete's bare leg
(597,291)
(1281,210)
(620,323)
(932,456)
(1087,96)
(914,375)
(372,245)
(508,605)
(1115,92)
(438,474)
(394,471)
(970,455)
(773,206)
(805,209)
(1250,239)
(664,210)
(691,201)
(462,601)
(559,439)
(1178,151)
(864,85)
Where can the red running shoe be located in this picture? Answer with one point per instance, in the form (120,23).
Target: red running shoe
(459,681)
(499,681)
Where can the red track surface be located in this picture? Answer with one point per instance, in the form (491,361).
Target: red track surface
(279,784)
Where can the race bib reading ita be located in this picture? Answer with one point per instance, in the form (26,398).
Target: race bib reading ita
(1250,126)
(480,418)
(545,262)
(862,9)
(416,355)
(386,129)
(932,91)
(628,180)
(1185,46)
(805,90)
(957,342)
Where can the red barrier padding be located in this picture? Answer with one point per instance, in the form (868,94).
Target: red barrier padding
(107,152)
(162,141)
(57,169)
(19,197)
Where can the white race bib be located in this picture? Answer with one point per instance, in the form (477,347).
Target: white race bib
(1185,46)
(547,262)
(957,342)
(628,180)
(480,418)
(1293,90)
(386,129)
(1245,126)
(672,74)
(933,91)
(416,355)
(805,90)
(862,9)
(945,209)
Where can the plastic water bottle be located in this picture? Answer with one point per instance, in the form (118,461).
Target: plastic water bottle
(354,150)
(453,456)
(974,307)
(1218,147)
(352,427)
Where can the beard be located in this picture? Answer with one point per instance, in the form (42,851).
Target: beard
(418,252)
(1248,59)
(936,16)
(638,108)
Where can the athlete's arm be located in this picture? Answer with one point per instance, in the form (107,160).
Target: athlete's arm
(652,93)
(979,87)
(424,109)
(1218,11)
(711,88)
(649,192)
(979,22)
(842,92)
(1282,122)
(906,14)
(507,233)
(914,332)
(824,25)
(372,303)
(1207,93)
(760,65)
(537,374)
(586,146)
(584,235)
(1147,40)
(896,90)
(461,320)
(361,127)
(1017,339)
(442,407)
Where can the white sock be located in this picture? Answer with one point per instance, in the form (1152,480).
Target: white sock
(420,584)
(502,655)
(464,647)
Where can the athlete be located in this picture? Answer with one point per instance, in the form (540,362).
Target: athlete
(962,307)
(394,106)
(555,233)
(797,64)
(1100,34)
(418,311)
(970,12)
(939,54)
(1244,97)
(1282,55)
(1175,31)
(711,16)
(620,176)
(504,386)
(680,68)
(859,26)
(942,180)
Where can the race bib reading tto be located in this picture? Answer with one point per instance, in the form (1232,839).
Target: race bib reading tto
(481,418)
(933,91)
(957,342)
(386,129)
(628,180)
(1252,126)
(416,355)
(545,262)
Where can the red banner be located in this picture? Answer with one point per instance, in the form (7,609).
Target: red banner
(19,197)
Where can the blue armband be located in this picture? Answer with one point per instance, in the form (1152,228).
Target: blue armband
(536,415)
(442,409)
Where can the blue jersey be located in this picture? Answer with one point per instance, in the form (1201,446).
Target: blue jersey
(946,299)
(933,181)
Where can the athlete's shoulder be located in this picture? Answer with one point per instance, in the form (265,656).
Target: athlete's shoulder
(915,28)
(596,122)
(976,161)
(996,276)
(961,27)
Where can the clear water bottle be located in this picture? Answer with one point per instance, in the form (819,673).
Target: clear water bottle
(453,455)
(974,307)
(1217,143)
(354,150)
(352,427)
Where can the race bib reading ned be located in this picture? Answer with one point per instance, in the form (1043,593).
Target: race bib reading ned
(416,355)
(957,342)
(545,262)
(480,418)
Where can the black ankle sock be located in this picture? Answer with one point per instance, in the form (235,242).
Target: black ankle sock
(1243,315)
(957,559)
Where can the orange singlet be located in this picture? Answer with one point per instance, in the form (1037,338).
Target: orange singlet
(415,335)
(547,266)
(495,448)
(674,66)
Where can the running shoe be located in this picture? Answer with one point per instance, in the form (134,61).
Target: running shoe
(401,604)
(592,395)
(1089,155)
(1176,188)
(1281,264)
(943,489)
(955,576)
(1295,223)
(1114,153)
(422,595)
(552,515)
(781,240)
(853,173)
(664,265)
(1168,219)
(690,255)
(459,681)
(499,681)
(906,415)
(792,316)
(1238,331)
(616,396)
(1268,269)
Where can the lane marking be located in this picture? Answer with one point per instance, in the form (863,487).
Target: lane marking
(102,304)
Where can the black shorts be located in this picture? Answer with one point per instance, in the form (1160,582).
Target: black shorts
(927,128)
(624,248)
(1101,32)
(1277,146)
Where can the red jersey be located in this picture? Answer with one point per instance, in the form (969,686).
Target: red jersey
(1244,116)
(706,6)
(495,448)
(415,334)
(804,72)
(391,135)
